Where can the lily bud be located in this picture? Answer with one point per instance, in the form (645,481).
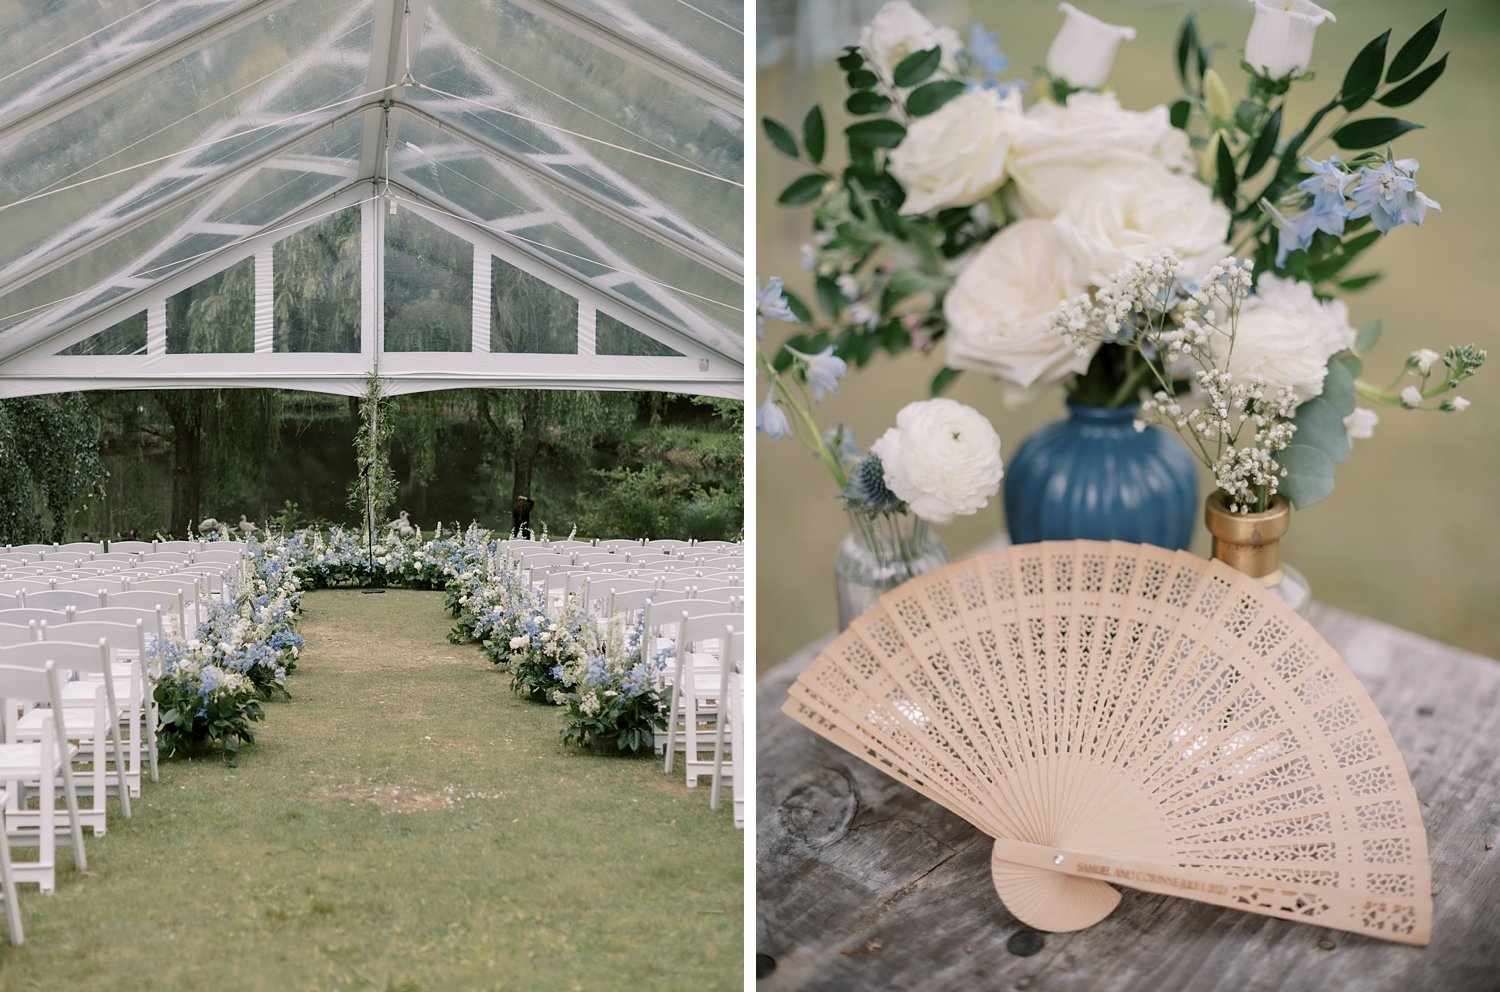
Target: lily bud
(1281,36)
(1217,97)
(1084,49)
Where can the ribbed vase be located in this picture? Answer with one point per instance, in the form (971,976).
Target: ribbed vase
(1095,476)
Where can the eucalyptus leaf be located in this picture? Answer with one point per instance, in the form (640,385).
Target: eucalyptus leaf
(1265,145)
(814,134)
(862,103)
(1338,389)
(1415,86)
(1321,426)
(803,189)
(1367,337)
(1415,51)
(1351,363)
(917,66)
(1371,131)
(1364,74)
(780,137)
(930,97)
(945,378)
(1309,475)
(876,134)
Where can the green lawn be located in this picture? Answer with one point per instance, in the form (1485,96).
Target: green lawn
(404,823)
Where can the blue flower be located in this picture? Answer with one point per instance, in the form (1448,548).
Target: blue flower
(984,49)
(866,489)
(770,301)
(1329,185)
(1389,195)
(1295,233)
(823,370)
(770,418)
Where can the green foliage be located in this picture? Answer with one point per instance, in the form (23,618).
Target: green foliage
(373,491)
(49,446)
(623,722)
(191,724)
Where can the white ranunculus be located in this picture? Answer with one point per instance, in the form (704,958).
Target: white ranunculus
(898,30)
(956,156)
(1133,215)
(942,458)
(1280,42)
(1285,335)
(1061,148)
(1084,48)
(998,310)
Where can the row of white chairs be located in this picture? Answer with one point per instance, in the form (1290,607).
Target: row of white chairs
(101,717)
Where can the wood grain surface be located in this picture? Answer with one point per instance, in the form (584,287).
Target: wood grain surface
(864,885)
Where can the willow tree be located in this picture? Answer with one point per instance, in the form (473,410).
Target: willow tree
(49,446)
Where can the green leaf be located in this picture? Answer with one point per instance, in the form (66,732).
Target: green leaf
(1265,145)
(931,96)
(864,102)
(1359,282)
(829,297)
(875,134)
(1187,41)
(1351,363)
(1309,475)
(1415,86)
(798,307)
(1320,425)
(1364,74)
(1179,114)
(814,134)
(1371,131)
(803,189)
(944,379)
(780,137)
(1416,49)
(861,79)
(1338,389)
(1227,182)
(851,59)
(1367,337)
(917,66)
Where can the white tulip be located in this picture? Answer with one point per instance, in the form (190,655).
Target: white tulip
(1281,36)
(1084,48)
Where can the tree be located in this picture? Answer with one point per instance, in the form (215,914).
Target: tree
(49,446)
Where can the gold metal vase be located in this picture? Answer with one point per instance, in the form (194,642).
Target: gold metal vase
(1251,543)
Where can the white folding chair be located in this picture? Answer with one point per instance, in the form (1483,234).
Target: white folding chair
(17,633)
(90,724)
(62,599)
(153,628)
(669,545)
(617,544)
(35,767)
(168,603)
(727,731)
(8,878)
(133,547)
(25,616)
(701,645)
(126,643)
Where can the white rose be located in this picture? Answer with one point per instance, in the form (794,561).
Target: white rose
(1112,222)
(998,310)
(942,458)
(956,156)
(1285,335)
(898,31)
(1092,137)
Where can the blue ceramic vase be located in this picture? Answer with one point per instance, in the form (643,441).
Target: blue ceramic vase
(1095,476)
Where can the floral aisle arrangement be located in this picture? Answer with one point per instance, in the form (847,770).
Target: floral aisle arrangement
(611,699)
(939,462)
(545,646)
(973,211)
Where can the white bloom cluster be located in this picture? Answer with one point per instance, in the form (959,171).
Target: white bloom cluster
(942,459)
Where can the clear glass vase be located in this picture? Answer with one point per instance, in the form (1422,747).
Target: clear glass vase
(882,551)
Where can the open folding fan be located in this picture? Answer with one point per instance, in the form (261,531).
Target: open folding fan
(1121,713)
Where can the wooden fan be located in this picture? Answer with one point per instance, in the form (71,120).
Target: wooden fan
(1121,713)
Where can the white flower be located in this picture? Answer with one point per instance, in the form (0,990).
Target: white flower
(1361,424)
(848,286)
(1411,397)
(1285,336)
(1134,215)
(898,31)
(1281,36)
(516,643)
(1084,48)
(1458,404)
(1424,359)
(956,156)
(1092,137)
(998,310)
(942,458)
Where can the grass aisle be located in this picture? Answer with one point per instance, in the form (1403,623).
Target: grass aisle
(405,823)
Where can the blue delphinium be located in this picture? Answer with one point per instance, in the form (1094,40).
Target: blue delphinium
(1388,195)
(823,370)
(989,61)
(1329,185)
(770,419)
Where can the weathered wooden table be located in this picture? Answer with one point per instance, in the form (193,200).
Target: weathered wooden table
(862,884)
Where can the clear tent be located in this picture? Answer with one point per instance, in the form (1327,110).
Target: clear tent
(511,193)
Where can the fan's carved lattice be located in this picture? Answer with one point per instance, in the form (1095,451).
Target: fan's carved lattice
(1121,713)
